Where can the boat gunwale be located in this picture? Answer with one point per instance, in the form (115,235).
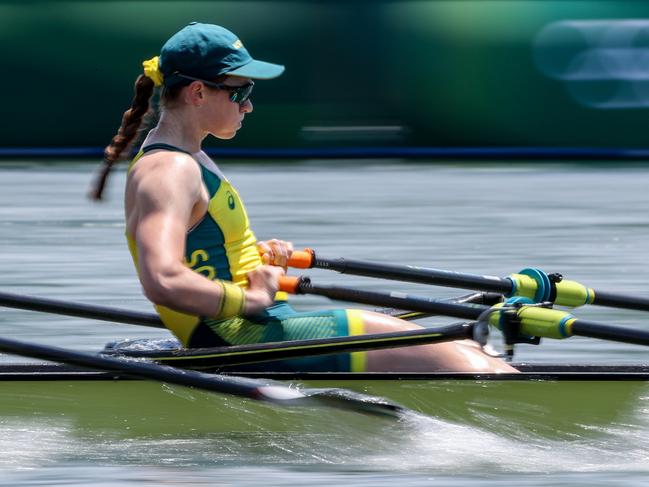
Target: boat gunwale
(529,372)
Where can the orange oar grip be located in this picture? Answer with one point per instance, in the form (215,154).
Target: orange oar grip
(289,284)
(301,259)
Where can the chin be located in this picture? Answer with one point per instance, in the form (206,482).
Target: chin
(225,135)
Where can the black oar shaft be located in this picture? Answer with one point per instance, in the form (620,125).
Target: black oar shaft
(265,352)
(237,386)
(222,384)
(618,301)
(473,312)
(474,298)
(571,295)
(607,332)
(80,310)
(393,299)
(421,275)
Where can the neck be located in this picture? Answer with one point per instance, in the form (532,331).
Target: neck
(178,129)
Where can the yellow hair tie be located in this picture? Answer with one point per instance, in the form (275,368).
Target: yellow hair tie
(152,70)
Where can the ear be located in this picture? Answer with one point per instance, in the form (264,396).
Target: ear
(195,93)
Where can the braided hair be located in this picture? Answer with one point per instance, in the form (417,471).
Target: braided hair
(126,134)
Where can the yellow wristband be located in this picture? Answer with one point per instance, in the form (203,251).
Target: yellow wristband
(233,301)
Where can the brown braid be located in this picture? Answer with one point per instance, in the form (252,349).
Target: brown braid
(131,121)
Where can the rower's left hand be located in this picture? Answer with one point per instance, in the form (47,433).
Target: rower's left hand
(275,252)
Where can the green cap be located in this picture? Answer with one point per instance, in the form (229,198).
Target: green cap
(207,51)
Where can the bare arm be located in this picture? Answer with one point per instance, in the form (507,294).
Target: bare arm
(165,188)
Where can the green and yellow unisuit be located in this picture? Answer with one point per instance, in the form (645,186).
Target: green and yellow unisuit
(222,246)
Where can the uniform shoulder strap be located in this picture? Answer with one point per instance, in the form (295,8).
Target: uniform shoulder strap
(163,146)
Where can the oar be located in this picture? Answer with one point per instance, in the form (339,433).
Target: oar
(473,298)
(80,310)
(237,386)
(265,352)
(534,320)
(530,283)
(117,315)
(399,300)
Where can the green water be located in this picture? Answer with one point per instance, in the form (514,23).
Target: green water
(587,222)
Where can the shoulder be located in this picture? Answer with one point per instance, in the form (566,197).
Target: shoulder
(166,160)
(162,166)
(165,178)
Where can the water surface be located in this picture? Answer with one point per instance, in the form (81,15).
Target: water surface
(588,222)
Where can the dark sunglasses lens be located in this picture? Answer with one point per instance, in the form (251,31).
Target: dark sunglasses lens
(241,94)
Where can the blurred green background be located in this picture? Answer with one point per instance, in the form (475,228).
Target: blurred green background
(359,73)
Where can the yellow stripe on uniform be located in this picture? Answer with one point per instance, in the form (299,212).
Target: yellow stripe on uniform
(356,326)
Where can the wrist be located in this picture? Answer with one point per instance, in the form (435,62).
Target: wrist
(256,301)
(233,301)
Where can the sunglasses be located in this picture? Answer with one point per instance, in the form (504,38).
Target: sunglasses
(238,94)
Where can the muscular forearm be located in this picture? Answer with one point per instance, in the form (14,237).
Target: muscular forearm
(181,289)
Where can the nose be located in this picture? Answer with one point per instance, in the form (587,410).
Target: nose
(246,107)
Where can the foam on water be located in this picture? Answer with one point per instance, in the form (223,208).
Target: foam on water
(31,444)
(442,447)
(414,444)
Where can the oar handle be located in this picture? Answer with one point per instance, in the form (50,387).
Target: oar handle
(290,284)
(302,259)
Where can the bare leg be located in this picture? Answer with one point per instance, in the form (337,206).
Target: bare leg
(457,356)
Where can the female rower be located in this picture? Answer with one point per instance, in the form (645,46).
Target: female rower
(189,235)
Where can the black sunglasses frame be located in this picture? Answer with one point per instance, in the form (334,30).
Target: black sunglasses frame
(238,94)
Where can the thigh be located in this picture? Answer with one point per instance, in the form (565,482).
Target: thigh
(456,356)
(287,325)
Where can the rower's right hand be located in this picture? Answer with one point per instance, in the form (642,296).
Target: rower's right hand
(263,283)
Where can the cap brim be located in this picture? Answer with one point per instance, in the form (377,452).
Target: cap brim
(258,70)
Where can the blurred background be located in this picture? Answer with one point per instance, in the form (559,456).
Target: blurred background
(382,76)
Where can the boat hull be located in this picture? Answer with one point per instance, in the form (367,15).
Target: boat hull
(550,404)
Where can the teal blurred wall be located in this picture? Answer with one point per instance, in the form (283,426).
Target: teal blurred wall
(359,73)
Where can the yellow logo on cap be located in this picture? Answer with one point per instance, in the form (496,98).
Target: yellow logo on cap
(238,44)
